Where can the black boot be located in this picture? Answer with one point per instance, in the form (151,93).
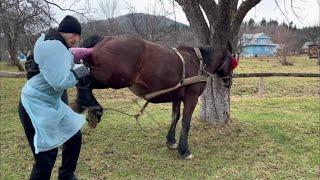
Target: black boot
(70,155)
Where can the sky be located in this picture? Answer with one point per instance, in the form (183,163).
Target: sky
(306,10)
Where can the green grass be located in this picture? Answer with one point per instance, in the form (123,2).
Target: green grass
(275,137)
(5,67)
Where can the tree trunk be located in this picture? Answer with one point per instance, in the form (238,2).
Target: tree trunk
(14,60)
(215,102)
(224,18)
(13,50)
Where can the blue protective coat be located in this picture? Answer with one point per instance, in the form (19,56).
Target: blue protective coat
(54,121)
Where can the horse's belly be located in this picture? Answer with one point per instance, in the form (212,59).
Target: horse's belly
(138,90)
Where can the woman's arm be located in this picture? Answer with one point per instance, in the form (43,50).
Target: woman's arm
(55,64)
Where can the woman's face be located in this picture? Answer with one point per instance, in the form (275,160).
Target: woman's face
(71,38)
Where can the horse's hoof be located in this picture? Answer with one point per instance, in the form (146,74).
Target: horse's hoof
(187,156)
(172,146)
(92,120)
(190,157)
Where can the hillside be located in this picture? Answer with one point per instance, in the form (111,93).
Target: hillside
(159,29)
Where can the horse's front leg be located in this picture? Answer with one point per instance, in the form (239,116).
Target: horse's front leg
(86,100)
(171,140)
(190,103)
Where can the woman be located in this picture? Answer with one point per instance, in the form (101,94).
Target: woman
(47,121)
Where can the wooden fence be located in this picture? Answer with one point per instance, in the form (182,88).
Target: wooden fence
(5,74)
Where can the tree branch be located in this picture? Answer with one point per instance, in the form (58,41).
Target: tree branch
(68,9)
(241,13)
(294,12)
(210,7)
(196,20)
(43,10)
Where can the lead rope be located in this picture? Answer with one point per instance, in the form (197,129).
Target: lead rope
(135,116)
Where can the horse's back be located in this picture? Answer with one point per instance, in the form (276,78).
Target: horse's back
(114,60)
(141,65)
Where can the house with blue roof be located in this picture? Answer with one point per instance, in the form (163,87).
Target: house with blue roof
(255,45)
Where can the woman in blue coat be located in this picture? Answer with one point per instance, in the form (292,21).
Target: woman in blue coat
(48,122)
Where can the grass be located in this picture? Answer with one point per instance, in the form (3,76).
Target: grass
(5,67)
(275,137)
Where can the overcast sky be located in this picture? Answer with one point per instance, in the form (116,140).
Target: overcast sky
(307,10)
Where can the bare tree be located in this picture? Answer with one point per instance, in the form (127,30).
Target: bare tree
(21,19)
(110,9)
(18,17)
(285,38)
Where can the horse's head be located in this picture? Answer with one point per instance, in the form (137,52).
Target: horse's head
(223,63)
(85,99)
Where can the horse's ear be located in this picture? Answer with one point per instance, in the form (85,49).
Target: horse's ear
(229,46)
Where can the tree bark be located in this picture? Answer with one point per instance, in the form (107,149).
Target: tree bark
(215,102)
(215,98)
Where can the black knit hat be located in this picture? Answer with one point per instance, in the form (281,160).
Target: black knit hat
(70,24)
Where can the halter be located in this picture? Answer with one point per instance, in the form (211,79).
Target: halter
(202,68)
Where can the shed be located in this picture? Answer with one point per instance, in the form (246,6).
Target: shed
(313,50)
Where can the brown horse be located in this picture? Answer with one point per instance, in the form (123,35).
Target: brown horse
(144,67)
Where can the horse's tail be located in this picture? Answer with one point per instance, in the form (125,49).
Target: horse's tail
(91,41)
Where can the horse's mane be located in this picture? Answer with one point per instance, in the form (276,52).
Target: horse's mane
(206,52)
(91,41)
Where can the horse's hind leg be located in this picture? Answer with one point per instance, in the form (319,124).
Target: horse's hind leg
(171,140)
(190,103)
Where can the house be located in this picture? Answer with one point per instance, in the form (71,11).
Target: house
(257,45)
(311,48)
(22,57)
(305,47)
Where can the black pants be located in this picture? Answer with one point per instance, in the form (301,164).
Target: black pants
(44,161)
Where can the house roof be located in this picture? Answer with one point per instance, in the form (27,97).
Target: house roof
(256,36)
(252,39)
(276,45)
(308,43)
